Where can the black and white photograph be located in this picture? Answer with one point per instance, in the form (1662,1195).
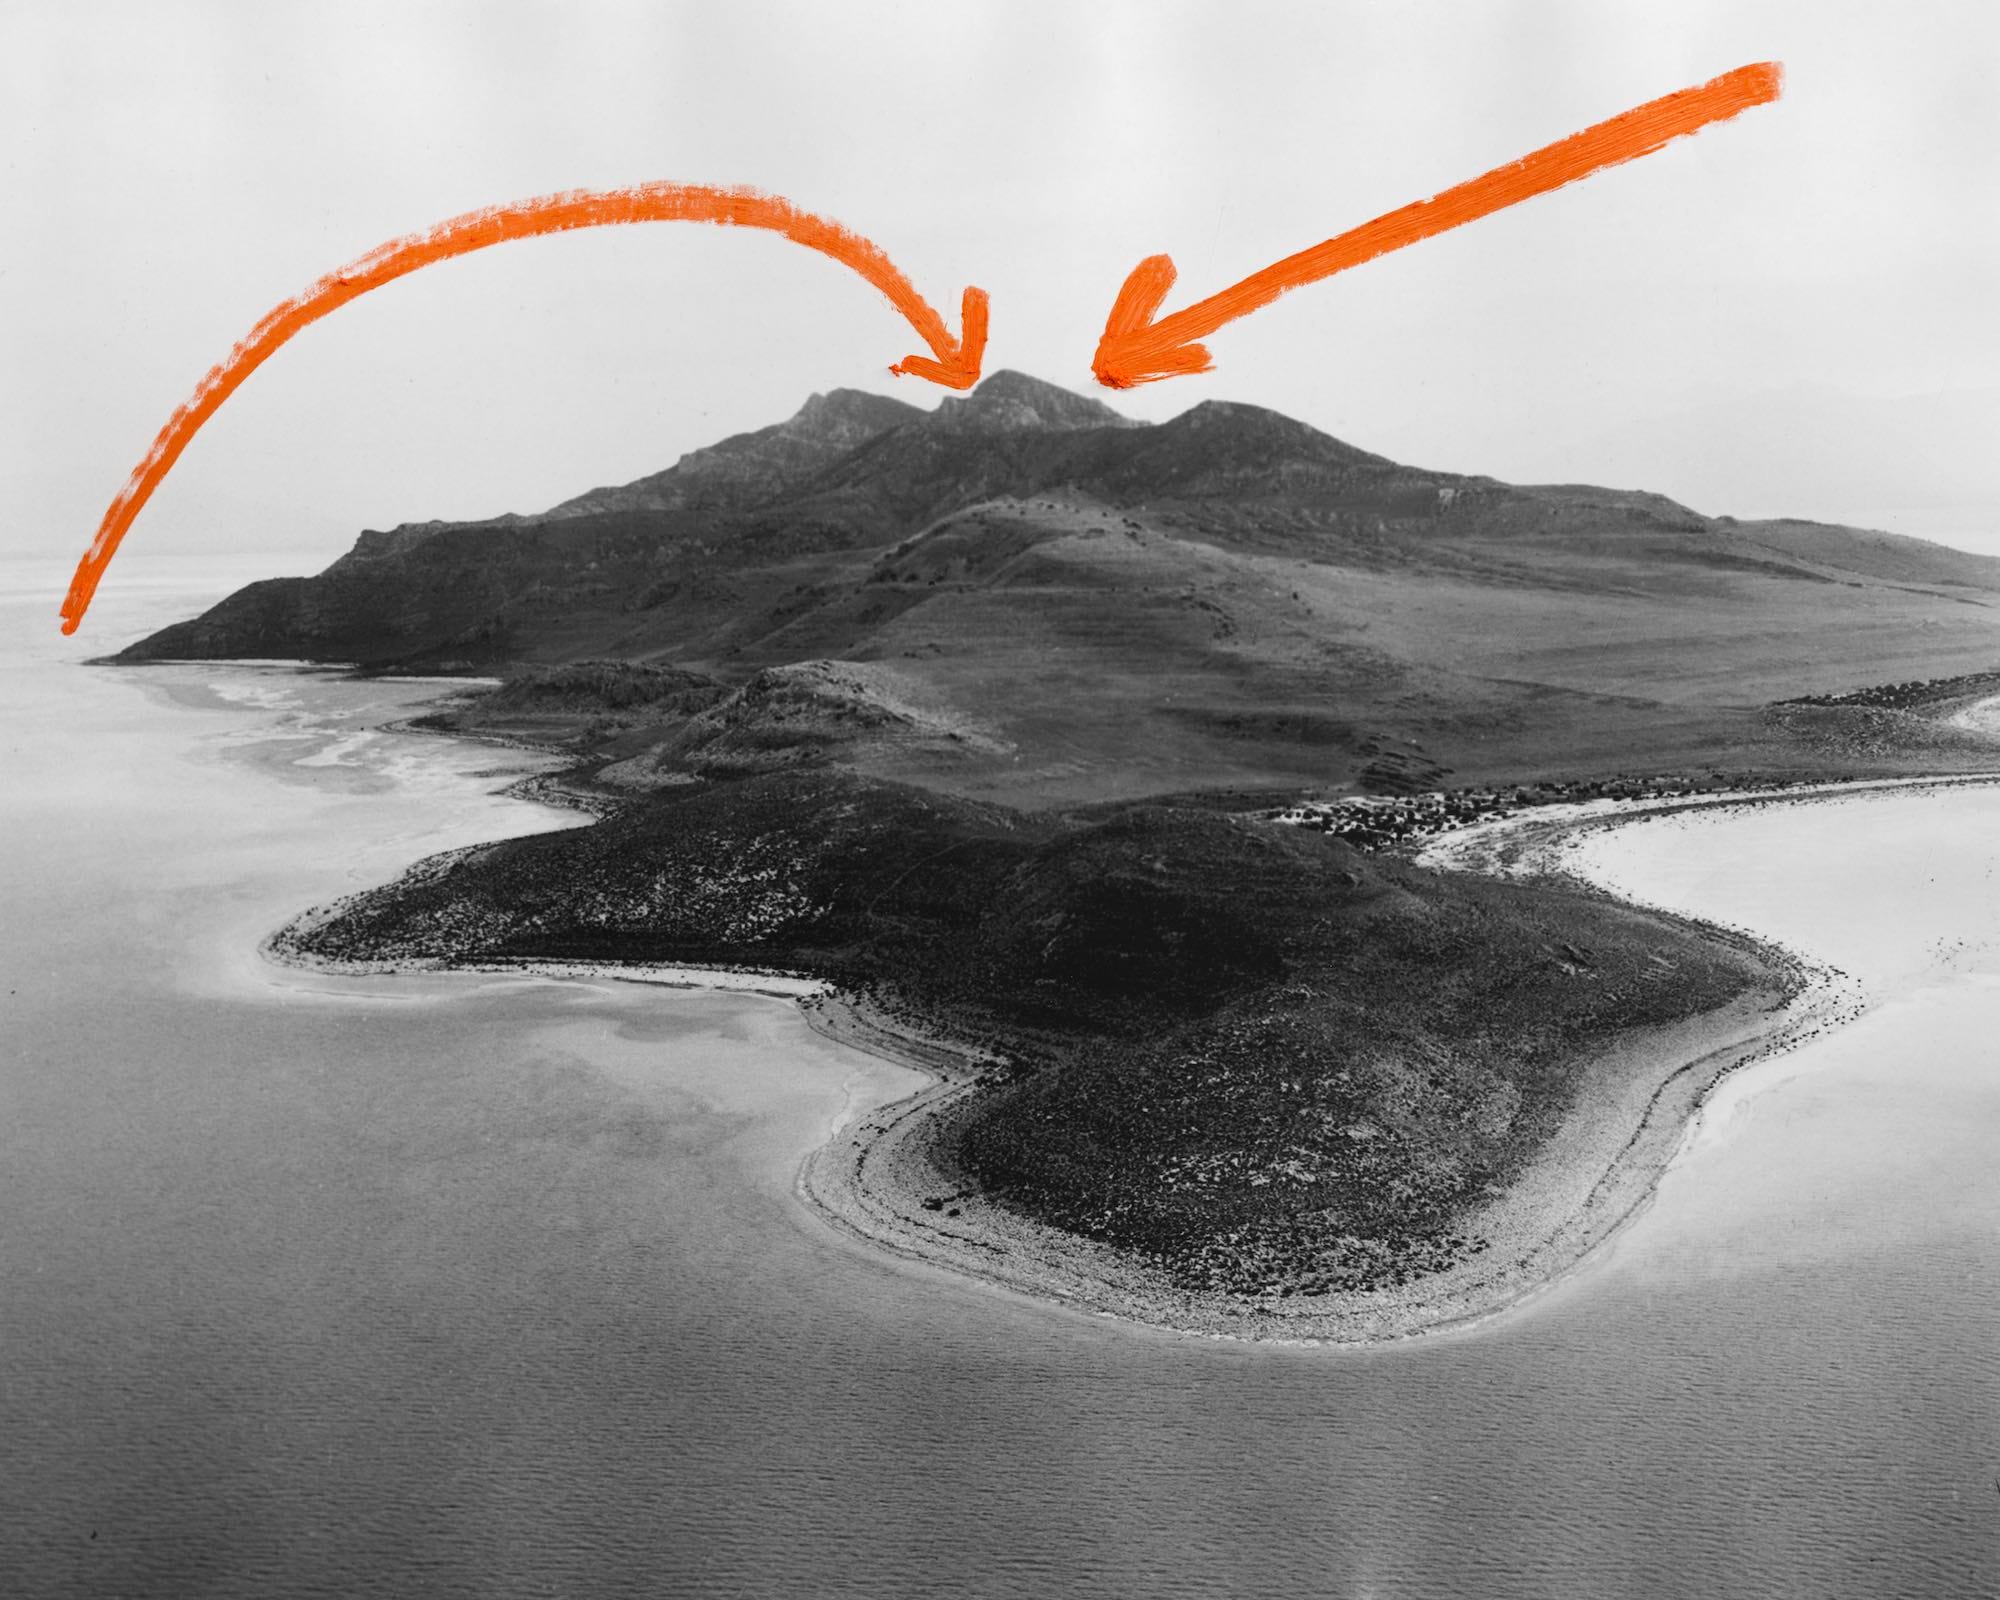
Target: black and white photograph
(973,801)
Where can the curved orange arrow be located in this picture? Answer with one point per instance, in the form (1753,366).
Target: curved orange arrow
(1135,349)
(954,364)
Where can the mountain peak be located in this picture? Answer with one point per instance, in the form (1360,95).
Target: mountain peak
(825,428)
(1013,400)
(850,414)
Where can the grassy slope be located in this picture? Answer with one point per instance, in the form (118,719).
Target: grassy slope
(1227,599)
(1086,653)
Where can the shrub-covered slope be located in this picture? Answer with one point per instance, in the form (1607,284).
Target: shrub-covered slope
(1248,1052)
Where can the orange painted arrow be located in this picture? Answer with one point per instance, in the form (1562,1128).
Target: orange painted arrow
(954,364)
(1135,349)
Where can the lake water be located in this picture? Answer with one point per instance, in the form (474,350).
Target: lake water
(492,1287)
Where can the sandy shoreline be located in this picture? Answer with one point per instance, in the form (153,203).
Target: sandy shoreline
(875,1173)
(879,1176)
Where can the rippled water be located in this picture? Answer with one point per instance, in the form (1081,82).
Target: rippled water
(497,1287)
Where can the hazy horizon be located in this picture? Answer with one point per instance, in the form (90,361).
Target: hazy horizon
(1787,314)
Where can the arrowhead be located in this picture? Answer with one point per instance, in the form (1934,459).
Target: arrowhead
(1135,349)
(956,365)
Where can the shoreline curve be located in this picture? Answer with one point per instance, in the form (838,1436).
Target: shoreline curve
(871,1180)
(880,1176)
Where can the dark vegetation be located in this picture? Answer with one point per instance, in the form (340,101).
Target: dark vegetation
(1371,822)
(1248,1052)
(1912,723)
(1909,696)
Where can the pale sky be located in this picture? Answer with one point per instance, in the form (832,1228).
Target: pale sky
(1792,311)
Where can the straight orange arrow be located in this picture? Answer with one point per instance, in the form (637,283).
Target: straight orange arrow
(954,364)
(1135,349)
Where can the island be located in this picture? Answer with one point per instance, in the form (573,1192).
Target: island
(1098,769)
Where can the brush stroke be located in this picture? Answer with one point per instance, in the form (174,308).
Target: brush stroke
(953,363)
(1135,349)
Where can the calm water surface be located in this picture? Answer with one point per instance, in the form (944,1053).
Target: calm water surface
(485,1287)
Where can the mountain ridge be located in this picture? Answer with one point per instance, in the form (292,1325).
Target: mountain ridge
(1119,605)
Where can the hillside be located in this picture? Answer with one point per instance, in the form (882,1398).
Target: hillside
(1260,1060)
(1105,609)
